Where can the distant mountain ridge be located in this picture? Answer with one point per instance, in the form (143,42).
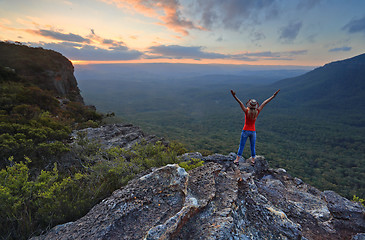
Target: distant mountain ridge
(179,70)
(340,82)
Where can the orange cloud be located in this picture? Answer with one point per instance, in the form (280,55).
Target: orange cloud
(4,21)
(172,18)
(100,41)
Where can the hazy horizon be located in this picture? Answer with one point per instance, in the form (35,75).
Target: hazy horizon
(179,70)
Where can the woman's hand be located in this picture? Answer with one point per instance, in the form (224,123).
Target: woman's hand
(274,93)
(233,93)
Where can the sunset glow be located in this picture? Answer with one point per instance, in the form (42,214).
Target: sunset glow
(304,32)
(191,61)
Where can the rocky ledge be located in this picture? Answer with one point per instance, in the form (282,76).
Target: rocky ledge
(117,135)
(218,201)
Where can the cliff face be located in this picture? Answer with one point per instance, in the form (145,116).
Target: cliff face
(45,68)
(218,201)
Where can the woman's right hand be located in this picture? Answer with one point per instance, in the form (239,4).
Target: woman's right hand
(276,92)
(233,93)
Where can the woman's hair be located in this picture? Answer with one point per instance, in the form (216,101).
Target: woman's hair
(252,113)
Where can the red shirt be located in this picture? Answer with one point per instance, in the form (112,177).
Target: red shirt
(250,123)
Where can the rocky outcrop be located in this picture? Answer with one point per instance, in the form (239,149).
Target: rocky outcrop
(47,69)
(117,135)
(218,201)
(106,136)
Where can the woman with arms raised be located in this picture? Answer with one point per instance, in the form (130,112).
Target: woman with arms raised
(251,112)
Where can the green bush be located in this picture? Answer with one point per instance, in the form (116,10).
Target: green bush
(191,164)
(29,204)
(33,123)
(357,199)
(40,137)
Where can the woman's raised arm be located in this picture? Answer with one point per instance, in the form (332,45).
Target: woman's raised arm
(239,101)
(268,100)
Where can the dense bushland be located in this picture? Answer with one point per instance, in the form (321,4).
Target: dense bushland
(35,125)
(33,122)
(324,147)
(32,204)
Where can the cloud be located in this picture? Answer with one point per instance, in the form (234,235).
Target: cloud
(312,38)
(307,4)
(341,49)
(297,52)
(179,52)
(67,3)
(76,51)
(91,47)
(193,52)
(4,21)
(264,54)
(276,55)
(203,14)
(110,43)
(234,14)
(58,35)
(268,55)
(355,26)
(91,39)
(171,17)
(257,36)
(290,32)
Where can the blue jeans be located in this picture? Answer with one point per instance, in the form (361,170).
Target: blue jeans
(245,134)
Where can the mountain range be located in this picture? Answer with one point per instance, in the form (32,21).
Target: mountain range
(336,85)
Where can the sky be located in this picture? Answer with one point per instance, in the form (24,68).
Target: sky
(254,32)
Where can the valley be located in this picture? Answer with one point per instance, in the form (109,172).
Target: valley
(315,143)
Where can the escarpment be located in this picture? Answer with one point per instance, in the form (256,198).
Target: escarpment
(47,69)
(218,201)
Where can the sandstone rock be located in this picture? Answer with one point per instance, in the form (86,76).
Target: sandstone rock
(218,202)
(121,135)
(131,211)
(188,156)
(344,211)
(360,236)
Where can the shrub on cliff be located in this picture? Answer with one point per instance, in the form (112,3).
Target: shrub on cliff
(357,199)
(34,123)
(191,164)
(30,205)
